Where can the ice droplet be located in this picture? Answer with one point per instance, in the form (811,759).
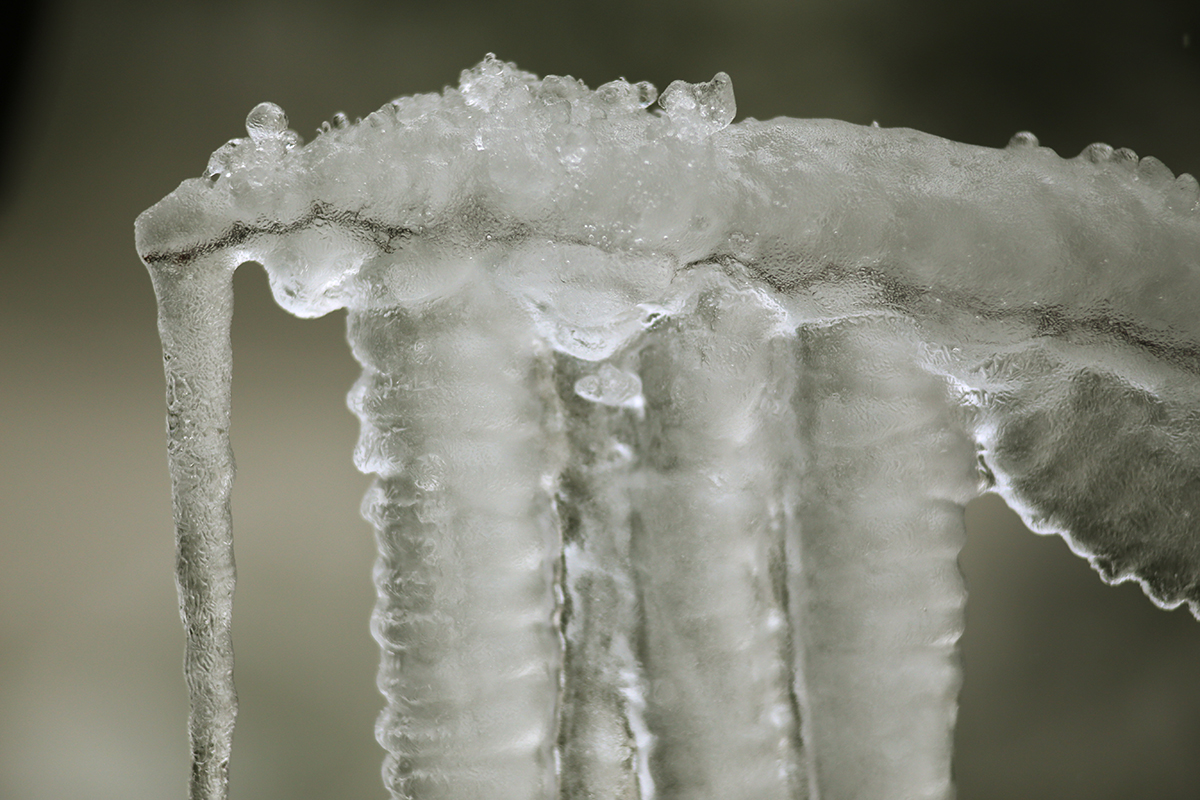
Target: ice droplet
(1125,157)
(1156,172)
(1098,153)
(1022,139)
(266,120)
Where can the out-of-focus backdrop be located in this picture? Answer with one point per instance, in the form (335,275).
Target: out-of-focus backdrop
(1072,689)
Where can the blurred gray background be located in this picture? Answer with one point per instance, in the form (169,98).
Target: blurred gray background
(1072,689)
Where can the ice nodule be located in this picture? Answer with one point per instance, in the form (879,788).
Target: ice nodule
(266,120)
(674,418)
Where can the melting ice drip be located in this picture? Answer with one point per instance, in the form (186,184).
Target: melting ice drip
(674,420)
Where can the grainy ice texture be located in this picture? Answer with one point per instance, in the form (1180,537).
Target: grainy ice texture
(674,420)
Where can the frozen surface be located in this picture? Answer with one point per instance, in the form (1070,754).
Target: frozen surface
(674,420)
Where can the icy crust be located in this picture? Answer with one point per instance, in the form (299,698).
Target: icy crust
(510,159)
(577,199)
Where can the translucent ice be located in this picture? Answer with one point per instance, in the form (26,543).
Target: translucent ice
(674,420)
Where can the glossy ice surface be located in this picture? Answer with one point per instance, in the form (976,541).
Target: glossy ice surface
(674,420)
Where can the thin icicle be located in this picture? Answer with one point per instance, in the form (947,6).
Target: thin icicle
(195,308)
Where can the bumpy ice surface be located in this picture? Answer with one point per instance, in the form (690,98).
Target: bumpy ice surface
(674,420)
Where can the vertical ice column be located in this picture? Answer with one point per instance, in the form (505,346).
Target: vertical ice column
(713,502)
(452,422)
(877,593)
(603,738)
(195,308)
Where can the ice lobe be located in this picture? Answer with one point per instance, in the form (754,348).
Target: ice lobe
(700,109)
(674,419)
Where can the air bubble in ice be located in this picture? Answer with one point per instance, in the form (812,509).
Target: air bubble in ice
(620,96)
(427,471)
(611,387)
(651,314)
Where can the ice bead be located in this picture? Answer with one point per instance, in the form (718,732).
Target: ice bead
(266,120)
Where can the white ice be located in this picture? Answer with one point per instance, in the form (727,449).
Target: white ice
(674,420)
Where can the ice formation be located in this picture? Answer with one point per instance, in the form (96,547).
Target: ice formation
(674,420)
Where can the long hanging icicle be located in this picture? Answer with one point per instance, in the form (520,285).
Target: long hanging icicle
(195,309)
(674,420)
(467,553)
(714,491)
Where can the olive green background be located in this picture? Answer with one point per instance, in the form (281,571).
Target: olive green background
(1072,689)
